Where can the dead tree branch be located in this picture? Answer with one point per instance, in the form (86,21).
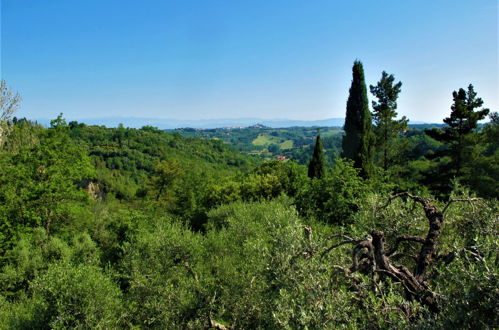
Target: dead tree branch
(404,238)
(374,252)
(369,255)
(435,219)
(403,194)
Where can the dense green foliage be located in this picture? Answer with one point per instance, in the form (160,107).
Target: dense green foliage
(358,140)
(112,228)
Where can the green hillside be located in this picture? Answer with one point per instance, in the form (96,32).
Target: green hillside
(123,154)
(140,228)
(295,143)
(268,143)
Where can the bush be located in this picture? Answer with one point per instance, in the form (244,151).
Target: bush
(159,266)
(80,296)
(335,198)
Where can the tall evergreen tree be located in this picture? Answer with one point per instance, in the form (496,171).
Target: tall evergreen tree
(459,137)
(462,122)
(387,128)
(358,140)
(316,165)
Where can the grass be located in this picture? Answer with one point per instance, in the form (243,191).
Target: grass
(288,144)
(264,140)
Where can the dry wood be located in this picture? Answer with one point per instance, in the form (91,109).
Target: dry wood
(404,238)
(370,256)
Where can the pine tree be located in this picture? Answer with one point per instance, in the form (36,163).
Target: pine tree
(387,128)
(460,141)
(461,123)
(358,139)
(316,165)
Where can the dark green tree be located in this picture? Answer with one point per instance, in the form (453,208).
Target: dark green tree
(166,176)
(460,139)
(480,169)
(462,122)
(358,140)
(387,128)
(120,135)
(316,165)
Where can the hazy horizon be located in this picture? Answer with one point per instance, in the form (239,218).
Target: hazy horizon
(173,123)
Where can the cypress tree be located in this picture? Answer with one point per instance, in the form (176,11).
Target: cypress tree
(316,165)
(358,139)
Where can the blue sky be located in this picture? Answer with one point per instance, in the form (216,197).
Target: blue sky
(228,59)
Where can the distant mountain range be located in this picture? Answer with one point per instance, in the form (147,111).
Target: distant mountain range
(136,122)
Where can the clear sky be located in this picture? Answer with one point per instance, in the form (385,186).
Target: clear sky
(227,59)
